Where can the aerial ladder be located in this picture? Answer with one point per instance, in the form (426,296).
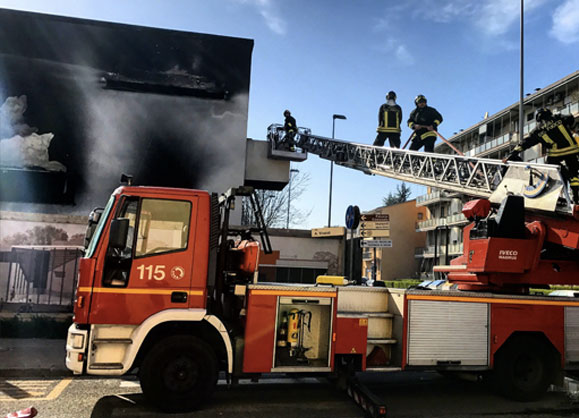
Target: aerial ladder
(531,240)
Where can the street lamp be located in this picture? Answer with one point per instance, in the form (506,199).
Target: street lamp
(334,117)
(289,195)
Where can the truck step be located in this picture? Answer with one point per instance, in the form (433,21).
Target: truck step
(379,315)
(346,314)
(388,341)
(383,369)
(112,341)
(106,366)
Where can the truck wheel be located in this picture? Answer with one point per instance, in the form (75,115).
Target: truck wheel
(179,373)
(524,368)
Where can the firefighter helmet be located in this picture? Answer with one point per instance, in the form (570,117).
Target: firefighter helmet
(391,95)
(543,114)
(286,112)
(419,99)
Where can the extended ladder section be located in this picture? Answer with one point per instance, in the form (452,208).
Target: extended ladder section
(541,185)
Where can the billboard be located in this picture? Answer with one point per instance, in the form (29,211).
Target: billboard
(83,101)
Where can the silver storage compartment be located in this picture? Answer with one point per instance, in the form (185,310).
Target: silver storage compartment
(447,333)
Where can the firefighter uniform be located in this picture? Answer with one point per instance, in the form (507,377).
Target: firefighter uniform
(291,128)
(389,118)
(555,133)
(424,116)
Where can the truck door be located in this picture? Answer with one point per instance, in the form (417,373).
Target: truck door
(153,270)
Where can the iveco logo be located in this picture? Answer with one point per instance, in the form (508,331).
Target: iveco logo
(508,254)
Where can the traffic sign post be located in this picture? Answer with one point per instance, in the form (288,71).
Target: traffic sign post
(376,243)
(374,225)
(375,233)
(352,222)
(352,217)
(375,217)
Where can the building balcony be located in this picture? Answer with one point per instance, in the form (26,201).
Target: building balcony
(457,219)
(428,251)
(434,197)
(491,145)
(430,224)
(454,249)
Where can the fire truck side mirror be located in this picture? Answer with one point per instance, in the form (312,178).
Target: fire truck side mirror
(119,233)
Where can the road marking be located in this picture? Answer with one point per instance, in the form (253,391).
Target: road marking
(58,389)
(32,390)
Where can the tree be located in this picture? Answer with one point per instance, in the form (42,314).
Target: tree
(274,204)
(403,192)
(39,235)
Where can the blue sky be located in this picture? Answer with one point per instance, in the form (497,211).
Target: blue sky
(322,57)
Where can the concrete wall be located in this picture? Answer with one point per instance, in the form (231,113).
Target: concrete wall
(297,249)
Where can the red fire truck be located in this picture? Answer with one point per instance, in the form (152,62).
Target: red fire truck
(168,289)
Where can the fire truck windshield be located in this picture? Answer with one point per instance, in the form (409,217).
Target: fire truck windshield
(99,228)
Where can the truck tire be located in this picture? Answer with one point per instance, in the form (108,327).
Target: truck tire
(524,368)
(179,373)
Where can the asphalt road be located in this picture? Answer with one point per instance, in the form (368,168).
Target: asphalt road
(406,394)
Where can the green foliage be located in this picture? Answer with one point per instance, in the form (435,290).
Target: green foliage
(403,192)
(35,327)
(402,284)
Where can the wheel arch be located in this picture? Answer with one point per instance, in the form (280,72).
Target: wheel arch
(538,336)
(539,340)
(187,322)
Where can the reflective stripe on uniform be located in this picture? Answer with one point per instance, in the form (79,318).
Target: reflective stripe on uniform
(574,181)
(387,127)
(565,133)
(554,152)
(388,130)
(428,134)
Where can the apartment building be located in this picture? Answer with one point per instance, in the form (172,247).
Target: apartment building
(493,137)
(396,262)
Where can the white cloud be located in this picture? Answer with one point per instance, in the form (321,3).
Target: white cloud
(491,17)
(496,17)
(399,51)
(404,55)
(444,12)
(566,22)
(268,10)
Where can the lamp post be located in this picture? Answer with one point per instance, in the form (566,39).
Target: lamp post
(334,117)
(289,195)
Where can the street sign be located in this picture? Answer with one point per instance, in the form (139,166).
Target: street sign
(352,217)
(337,231)
(375,233)
(376,243)
(375,217)
(375,225)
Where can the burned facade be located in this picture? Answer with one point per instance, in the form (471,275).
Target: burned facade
(83,101)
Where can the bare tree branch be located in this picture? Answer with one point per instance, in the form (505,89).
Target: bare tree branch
(274,204)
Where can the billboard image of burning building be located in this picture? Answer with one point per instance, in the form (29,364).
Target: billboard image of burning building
(82,102)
